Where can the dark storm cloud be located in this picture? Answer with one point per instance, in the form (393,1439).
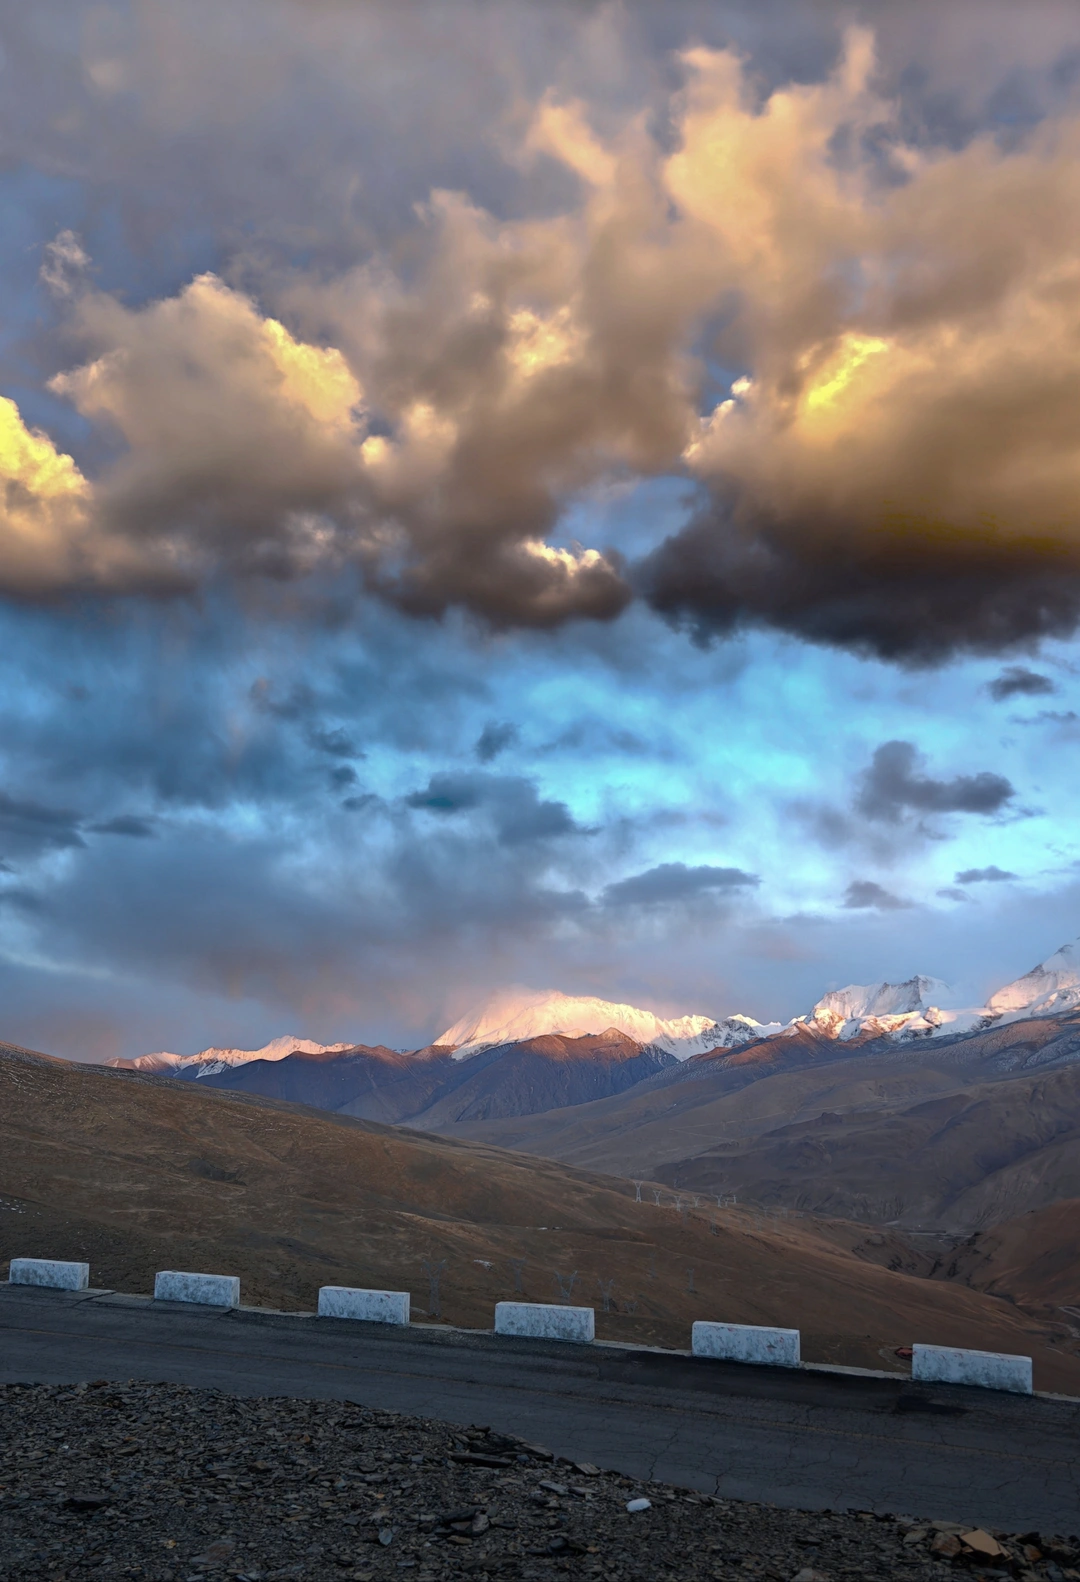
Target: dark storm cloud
(894,785)
(865,894)
(675,881)
(125,824)
(517,810)
(1017,681)
(990,875)
(298,702)
(911,601)
(494,739)
(892,808)
(337,742)
(28,828)
(372,916)
(599,735)
(153,712)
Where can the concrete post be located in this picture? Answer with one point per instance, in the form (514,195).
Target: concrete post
(541,1321)
(992,1370)
(367,1307)
(49,1272)
(777,1348)
(211,1290)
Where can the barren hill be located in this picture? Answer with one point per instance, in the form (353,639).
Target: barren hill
(431,1089)
(137,1173)
(953,1133)
(1033,1260)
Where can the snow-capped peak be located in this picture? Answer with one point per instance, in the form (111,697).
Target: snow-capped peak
(905,1010)
(911,1009)
(882,999)
(738,1029)
(1050,988)
(516,1014)
(211,1061)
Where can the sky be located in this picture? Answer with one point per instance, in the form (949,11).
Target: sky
(576,496)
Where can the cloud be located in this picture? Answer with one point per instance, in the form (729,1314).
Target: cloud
(65,260)
(519,814)
(249,451)
(45,532)
(891,471)
(864,894)
(28,828)
(893,786)
(1018,681)
(125,824)
(674,881)
(336,742)
(494,739)
(241,442)
(991,875)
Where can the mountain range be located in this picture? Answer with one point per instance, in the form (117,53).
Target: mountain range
(876,1106)
(904,1010)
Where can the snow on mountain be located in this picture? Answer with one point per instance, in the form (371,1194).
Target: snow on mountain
(910,1009)
(896,1010)
(1047,990)
(880,999)
(730,1031)
(905,1010)
(211,1061)
(517,1014)
(874,1007)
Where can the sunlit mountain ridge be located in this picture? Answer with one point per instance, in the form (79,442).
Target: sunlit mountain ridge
(905,1010)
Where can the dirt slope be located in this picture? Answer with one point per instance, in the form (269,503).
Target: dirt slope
(1033,1260)
(138,1173)
(373,1082)
(541,1074)
(429,1089)
(955,1135)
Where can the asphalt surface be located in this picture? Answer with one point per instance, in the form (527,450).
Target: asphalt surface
(811,1439)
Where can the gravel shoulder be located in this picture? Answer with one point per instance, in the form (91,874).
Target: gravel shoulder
(167,1483)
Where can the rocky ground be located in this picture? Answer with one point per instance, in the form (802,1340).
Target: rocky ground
(170,1484)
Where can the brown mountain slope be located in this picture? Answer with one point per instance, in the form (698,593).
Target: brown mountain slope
(1033,1260)
(137,1173)
(428,1088)
(374,1082)
(540,1074)
(960,1160)
(955,1134)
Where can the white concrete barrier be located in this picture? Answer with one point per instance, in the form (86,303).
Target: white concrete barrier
(213,1290)
(993,1370)
(777,1348)
(367,1307)
(51,1272)
(539,1321)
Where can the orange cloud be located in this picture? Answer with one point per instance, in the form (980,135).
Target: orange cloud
(896,469)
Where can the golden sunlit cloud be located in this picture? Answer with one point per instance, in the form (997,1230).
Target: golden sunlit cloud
(905,321)
(43,501)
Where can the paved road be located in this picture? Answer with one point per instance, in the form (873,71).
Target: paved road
(810,1439)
